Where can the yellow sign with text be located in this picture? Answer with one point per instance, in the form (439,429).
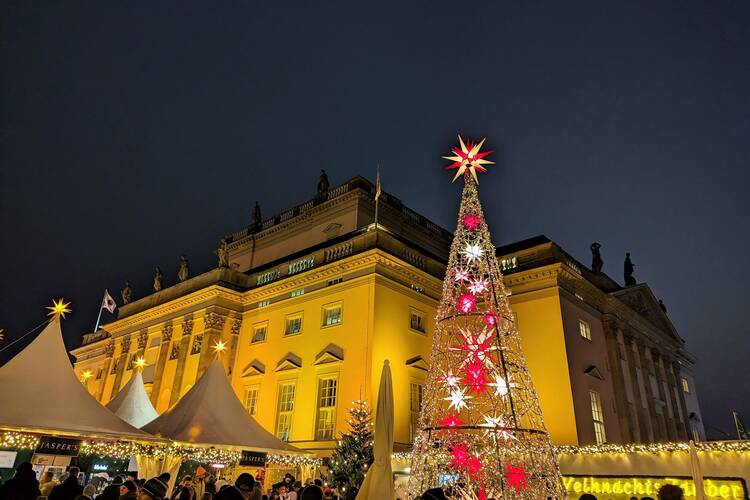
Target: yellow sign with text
(616,488)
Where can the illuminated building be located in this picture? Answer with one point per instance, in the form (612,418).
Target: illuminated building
(315,298)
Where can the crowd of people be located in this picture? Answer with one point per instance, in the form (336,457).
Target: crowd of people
(24,485)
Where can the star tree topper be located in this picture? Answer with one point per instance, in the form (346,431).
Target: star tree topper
(58,309)
(467,158)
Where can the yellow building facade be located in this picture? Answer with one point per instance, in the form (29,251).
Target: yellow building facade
(312,301)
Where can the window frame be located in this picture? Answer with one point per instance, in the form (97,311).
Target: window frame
(597,416)
(287,433)
(329,307)
(685,383)
(423,320)
(256,327)
(330,409)
(248,389)
(414,414)
(584,329)
(289,319)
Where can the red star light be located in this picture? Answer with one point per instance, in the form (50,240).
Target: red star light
(516,477)
(467,159)
(472,221)
(476,376)
(466,303)
(490,319)
(460,455)
(450,422)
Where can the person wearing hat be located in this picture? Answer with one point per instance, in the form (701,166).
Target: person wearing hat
(129,490)
(153,489)
(112,492)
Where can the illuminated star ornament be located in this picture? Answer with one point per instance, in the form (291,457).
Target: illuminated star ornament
(478,286)
(472,252)
(458,399)
(471,221)
(516,477)
(87,374)
(450,422)
(461,274)
(58,309)
(468,159)
(497,428)
(140,362)
(219,347)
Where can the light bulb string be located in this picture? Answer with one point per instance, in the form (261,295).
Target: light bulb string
(45,322)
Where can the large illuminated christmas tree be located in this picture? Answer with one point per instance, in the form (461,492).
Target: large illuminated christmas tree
(481,427)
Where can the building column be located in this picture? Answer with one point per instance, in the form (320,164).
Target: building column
(187,331)
(122,360)
(213,323)
(656,429)
(641,432)
(661,380)
(683,426)
(618,381)
(109,352)
(234,343)
(161,362)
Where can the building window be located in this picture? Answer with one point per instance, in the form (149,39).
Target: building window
(598,417)
(293,324)
(335,281)
(685,385)
(327,389)
(259,333)
(585,329)
(264,303)
(332,314)
(297,293)
(415,403)
(285,410)
(416,320)
(251,399)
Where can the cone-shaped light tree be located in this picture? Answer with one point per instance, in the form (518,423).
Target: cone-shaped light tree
(481,426)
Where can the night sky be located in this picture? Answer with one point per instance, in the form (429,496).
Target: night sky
(133,132)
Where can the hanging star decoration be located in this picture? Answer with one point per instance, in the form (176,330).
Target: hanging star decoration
(472,252)
(502,386)
(496,427)
(450,422)
(58,309)
(475,377)
(458,399)
(490,319)
(466,303)
(467,158)
(140,362)
(87,374)
(450,379)
(478,285)
(219,347)
(476,346)
(461,274)
(471,221)
(516,477)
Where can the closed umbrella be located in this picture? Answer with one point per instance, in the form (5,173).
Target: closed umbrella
(378,483)
(695,469)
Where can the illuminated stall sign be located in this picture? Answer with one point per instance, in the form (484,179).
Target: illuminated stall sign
(50,445)
(253,458)
(623,487)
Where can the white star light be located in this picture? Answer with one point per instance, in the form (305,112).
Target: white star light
(472,252)
(497,428)
(458,399)
(502,387)
(461,274)
(478,285)
(475,347)
(450,379)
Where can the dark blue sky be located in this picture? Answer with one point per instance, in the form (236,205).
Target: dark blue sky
(133,132)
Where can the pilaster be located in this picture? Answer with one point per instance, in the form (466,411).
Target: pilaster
(164,350)
(187,331)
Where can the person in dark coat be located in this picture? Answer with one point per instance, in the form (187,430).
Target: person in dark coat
(68,489)
(22,486)
(111,492)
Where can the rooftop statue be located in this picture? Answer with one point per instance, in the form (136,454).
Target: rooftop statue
(628,270)
(257,220)
(127,293)
(596,258)
(184,271)
(223,253)
(158,276)
(323,184)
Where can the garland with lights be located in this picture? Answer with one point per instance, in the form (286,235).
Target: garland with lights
(481,426)
(353,454)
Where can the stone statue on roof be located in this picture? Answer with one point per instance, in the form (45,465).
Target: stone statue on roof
(257,220)
(596,258)
(158,276)
(628,270)
(223,253)
(184,271)
(323,184)
(127,293)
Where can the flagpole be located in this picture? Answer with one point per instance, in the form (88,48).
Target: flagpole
(98,318)
(737,425)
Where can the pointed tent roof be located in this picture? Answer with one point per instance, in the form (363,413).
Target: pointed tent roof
(210,413)
(47,395)
(132,404)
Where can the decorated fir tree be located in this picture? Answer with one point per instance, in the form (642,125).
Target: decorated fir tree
(481,427)
(353,455)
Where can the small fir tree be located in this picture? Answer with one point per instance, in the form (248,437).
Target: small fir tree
(353,455)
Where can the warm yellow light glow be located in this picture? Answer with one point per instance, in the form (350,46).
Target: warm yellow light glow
(58,309)
(219,347)
(140,362)
(87,374)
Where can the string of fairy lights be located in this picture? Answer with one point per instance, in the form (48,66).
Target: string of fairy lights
(124,449)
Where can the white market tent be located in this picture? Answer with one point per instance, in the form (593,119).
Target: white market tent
(40,392)
(210,414)
(132,404)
